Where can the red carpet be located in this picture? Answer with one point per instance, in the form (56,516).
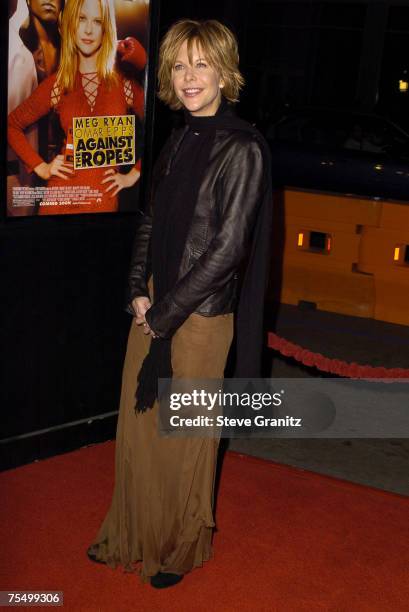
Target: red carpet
(288,541)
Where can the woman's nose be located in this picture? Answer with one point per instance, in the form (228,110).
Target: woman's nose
(190,73)
(88,27)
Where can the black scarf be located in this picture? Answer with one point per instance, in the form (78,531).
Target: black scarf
(174,207)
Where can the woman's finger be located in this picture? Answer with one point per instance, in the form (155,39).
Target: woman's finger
(60,174)
(66,170)
(111,186)
(114,193)
(108,179)
(60,164)
(110,171)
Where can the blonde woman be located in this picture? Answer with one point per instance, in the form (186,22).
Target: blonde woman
(87,84)
(205,242)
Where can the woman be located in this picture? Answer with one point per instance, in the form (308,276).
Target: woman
(87,84)
(211,212)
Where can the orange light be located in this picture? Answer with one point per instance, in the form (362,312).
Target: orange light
(300,239)
(403,86)
(396,254)
(328,244)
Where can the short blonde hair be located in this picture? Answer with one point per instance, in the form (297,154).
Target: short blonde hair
(219,46)
(69,55)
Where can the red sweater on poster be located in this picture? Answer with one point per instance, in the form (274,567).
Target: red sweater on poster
(89,98)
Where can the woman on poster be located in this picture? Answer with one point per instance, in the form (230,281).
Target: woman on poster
(88,83)
(206,244)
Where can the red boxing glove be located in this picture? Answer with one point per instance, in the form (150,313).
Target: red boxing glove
(130,50)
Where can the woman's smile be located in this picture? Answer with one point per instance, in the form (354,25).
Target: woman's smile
(192,91)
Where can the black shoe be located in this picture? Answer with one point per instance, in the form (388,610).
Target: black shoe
(163,581)
(92,556)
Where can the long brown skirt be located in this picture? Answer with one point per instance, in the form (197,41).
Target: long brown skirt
(162,507)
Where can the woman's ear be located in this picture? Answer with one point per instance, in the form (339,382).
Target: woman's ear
(221,83)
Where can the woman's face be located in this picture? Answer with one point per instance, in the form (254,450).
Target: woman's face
(89,31)
(197,85)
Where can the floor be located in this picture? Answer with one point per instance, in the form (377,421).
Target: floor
(381,463)
(377,463)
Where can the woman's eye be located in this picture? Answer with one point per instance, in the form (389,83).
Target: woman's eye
(98,22)
(201,65)
(178,66)
(82,18)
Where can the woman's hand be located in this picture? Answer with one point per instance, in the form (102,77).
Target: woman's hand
(140,306)
(58,167)
(120,181)
(147,330)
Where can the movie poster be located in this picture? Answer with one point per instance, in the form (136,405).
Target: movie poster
(76,103)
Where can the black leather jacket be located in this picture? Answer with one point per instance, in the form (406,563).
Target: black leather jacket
(220,234)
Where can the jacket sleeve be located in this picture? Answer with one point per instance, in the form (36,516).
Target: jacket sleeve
(140,267)
(242,187)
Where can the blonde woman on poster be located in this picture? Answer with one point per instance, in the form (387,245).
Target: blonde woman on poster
(88,84)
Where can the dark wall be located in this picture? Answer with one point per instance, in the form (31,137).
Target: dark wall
(63,332)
